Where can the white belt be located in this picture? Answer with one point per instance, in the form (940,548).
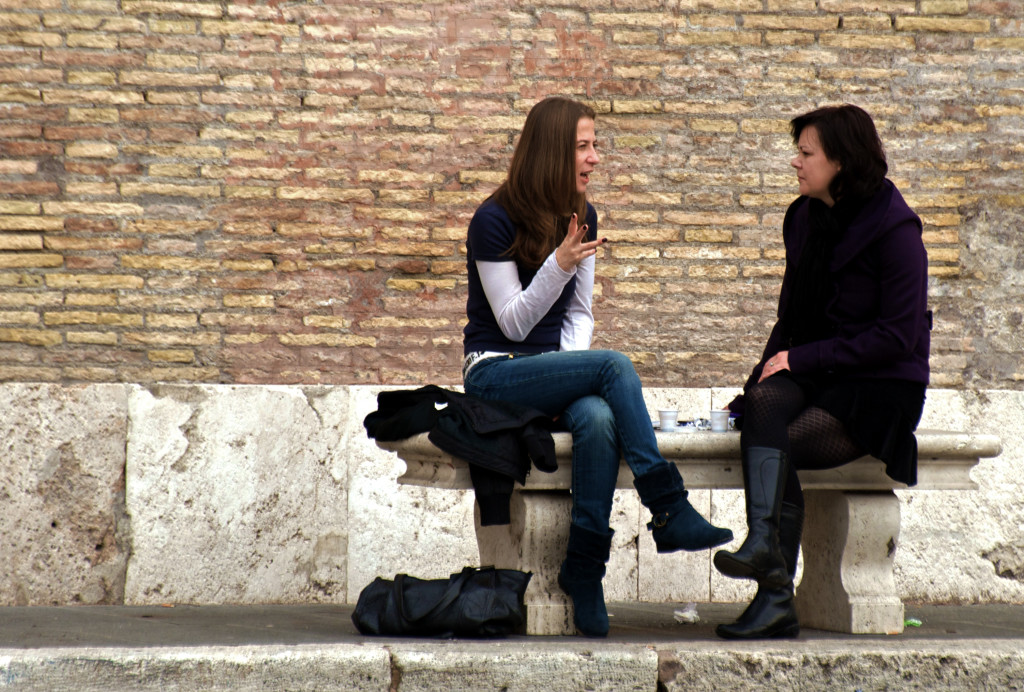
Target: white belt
(475,357)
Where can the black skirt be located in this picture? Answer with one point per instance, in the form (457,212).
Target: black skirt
(879,415)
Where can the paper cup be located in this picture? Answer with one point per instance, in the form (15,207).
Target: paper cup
(668,418)
(719,420)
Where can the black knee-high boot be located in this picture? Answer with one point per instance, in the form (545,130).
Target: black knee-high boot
(581,575)
(772,613)
(764,479)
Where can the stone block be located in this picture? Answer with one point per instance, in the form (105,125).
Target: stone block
(63,534)
(208,668)
(966,547)
(237,494)
(499,666)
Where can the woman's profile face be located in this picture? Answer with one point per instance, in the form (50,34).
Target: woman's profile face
(814,170)
(586,153)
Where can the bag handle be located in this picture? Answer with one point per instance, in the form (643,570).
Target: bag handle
(449,596)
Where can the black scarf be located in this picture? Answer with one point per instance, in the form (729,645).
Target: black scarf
(806,316)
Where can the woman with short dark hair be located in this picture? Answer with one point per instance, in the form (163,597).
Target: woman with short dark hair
(530,257)
(845,368)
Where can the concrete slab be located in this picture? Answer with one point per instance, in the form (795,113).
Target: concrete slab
(317,647)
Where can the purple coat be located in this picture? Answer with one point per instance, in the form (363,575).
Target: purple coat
(880,269)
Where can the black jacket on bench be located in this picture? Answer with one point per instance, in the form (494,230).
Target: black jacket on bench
(498,439)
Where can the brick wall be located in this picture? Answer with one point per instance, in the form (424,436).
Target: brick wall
(278,192)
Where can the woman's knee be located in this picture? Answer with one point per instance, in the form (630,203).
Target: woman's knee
(772,395)
(619,365)
(756,398)
(768,408)
(590,412)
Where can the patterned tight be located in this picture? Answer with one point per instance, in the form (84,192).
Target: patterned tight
(776,415)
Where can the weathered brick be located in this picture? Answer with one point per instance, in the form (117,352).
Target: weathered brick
(343,340)
(221,27)
(169,190)
(943,24)
(91,300)
(867,42)
(70,317)
(18,373)
(717,252)
(713,38)
(199,8)
(1000,43)
(19,94)
(18,317)
(100,338)
(329,194)
(782,22)
(704,219)
(883,6)
(20,242)
(169,263)
(229,171)
(713,271)
(93,208)
(420,284)
(168,374)
(405,323)
(248,301)
(248,192)
(707,235)
(327,321)
(31,337)
(36,260)
(171,355)
(20,280)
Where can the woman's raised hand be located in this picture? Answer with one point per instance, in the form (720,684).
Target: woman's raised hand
(574,249)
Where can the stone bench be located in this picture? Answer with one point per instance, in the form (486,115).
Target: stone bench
(851,529)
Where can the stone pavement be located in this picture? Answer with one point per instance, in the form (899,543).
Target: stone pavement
(316,647)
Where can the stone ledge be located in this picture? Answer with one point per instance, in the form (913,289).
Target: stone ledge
(316,647)
(707,461)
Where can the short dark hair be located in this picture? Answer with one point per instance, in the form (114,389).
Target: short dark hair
(848,137)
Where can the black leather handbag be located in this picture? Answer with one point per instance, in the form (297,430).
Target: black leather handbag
(477,602)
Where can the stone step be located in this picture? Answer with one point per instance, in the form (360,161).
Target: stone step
(283,647)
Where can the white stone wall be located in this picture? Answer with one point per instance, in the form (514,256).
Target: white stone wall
(273,494)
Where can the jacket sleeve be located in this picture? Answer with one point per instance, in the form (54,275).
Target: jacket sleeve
(894,332)
(777,338)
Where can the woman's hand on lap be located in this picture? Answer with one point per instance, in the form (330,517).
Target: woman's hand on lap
(780,361)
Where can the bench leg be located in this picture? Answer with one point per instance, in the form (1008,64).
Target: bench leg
(849,544)
(534,542)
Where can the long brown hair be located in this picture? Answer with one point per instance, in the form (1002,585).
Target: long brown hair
(540,192)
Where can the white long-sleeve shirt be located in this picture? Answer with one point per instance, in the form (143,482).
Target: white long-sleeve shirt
(518,311)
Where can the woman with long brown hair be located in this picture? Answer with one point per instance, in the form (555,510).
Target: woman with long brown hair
(531,252)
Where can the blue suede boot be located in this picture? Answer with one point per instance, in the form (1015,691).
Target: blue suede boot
(675,524)
(581,575)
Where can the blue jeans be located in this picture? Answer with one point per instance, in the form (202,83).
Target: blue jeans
(597,396)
